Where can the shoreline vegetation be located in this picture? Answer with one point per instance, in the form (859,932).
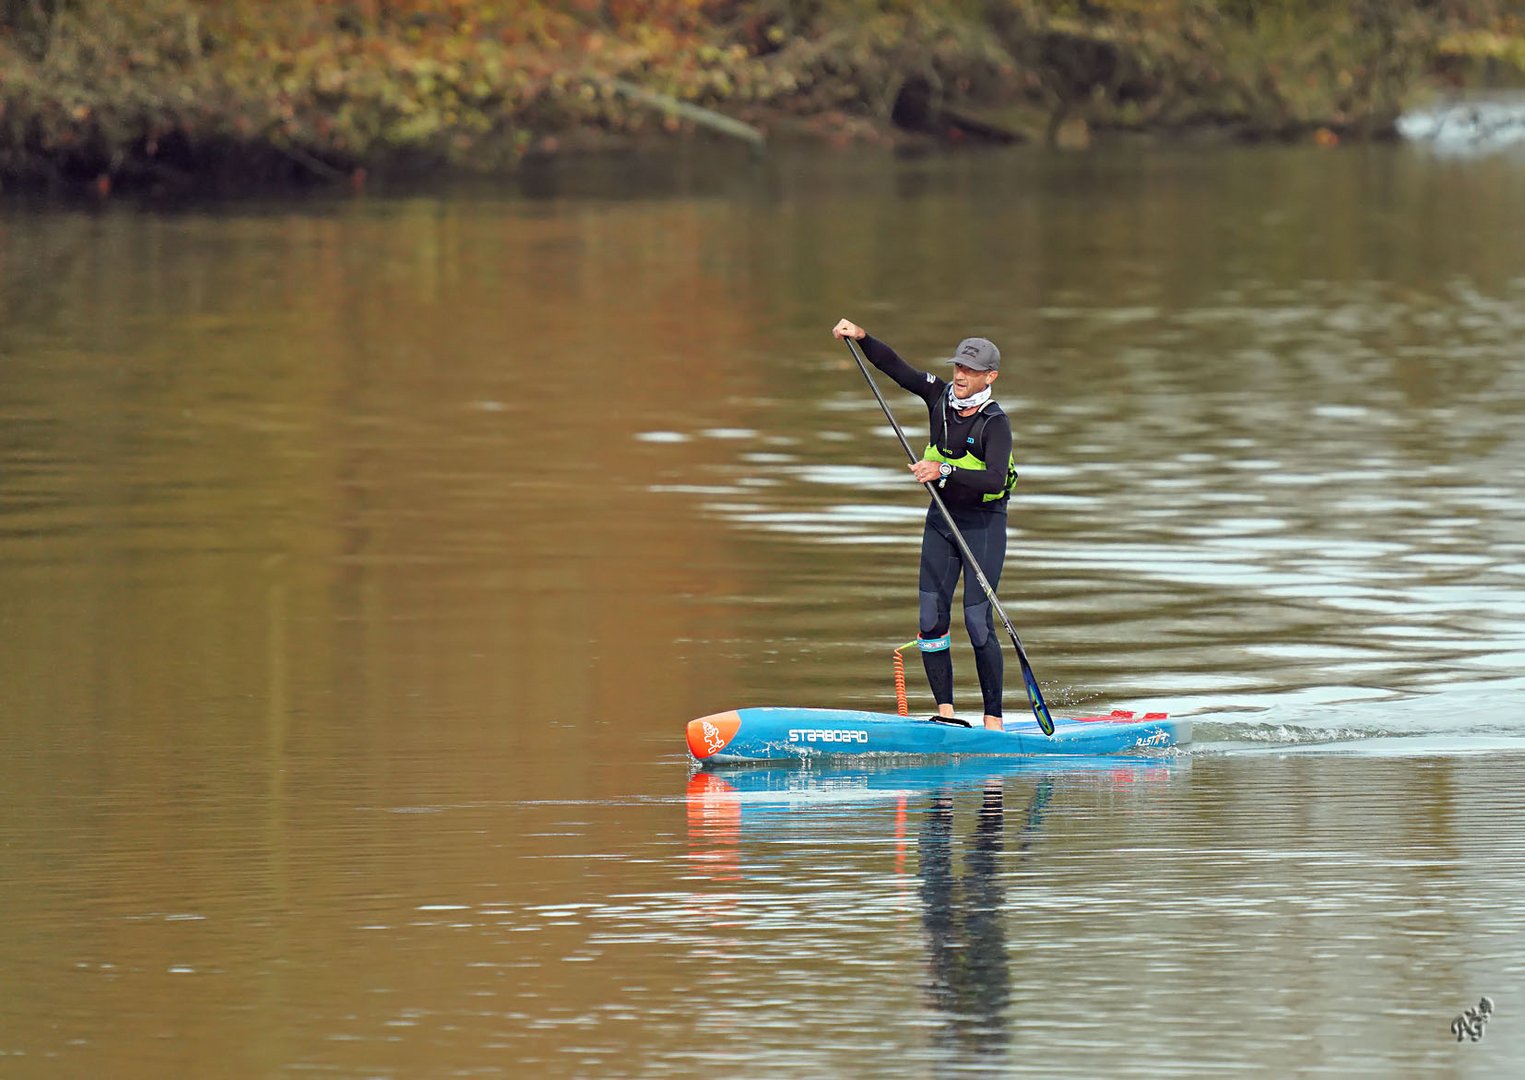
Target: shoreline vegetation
(201,94)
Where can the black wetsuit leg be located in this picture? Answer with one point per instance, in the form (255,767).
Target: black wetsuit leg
(941,564)
(940,567)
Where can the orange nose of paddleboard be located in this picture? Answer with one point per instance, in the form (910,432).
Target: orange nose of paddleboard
(708,735)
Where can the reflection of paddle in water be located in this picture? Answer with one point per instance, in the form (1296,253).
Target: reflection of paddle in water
(966,939)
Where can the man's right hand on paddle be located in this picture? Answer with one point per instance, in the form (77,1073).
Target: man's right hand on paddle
(926,471)
(845,329)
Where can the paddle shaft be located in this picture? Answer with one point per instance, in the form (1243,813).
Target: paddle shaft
(1034,695)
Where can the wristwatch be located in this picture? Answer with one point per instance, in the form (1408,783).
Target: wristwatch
(944,470)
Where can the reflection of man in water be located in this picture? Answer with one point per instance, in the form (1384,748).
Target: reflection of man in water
(966,937)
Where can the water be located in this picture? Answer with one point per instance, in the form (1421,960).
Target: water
(361,560)
(1468,125)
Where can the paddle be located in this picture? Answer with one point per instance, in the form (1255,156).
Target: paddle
(1034,695)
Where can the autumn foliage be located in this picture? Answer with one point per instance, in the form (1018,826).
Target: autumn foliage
(183,91)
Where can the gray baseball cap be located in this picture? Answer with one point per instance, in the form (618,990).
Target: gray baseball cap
(977,353)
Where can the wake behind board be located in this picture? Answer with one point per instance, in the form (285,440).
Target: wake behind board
(783,734)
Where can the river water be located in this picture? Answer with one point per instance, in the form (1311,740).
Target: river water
(361,560)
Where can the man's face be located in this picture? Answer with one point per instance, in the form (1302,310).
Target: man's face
(967,381)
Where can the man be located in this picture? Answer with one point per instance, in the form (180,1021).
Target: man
(968,457)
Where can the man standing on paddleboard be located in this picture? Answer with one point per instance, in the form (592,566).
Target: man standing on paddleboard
(969,458)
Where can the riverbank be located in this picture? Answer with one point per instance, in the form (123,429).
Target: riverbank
(187,94)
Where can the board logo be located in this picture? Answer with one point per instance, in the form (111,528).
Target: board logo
(712,737)
(709,735)
(826,735)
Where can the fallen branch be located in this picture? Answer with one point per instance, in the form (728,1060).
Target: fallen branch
(696,114)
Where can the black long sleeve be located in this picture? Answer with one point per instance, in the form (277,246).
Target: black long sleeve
(923,384)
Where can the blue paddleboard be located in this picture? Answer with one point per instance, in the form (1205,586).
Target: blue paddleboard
(783,734)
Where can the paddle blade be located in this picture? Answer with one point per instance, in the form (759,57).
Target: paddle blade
(1035,697)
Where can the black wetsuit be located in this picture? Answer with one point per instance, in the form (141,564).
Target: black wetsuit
(987,436)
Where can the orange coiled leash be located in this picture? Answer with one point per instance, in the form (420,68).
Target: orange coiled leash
(901,704)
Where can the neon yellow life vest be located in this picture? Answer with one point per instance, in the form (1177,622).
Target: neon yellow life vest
(969,461)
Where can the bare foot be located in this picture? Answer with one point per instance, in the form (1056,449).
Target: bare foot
(995,723)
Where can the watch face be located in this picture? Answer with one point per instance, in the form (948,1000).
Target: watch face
(945,469)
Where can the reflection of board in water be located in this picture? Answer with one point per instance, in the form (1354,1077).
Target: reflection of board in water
(726,805)
(761,789)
